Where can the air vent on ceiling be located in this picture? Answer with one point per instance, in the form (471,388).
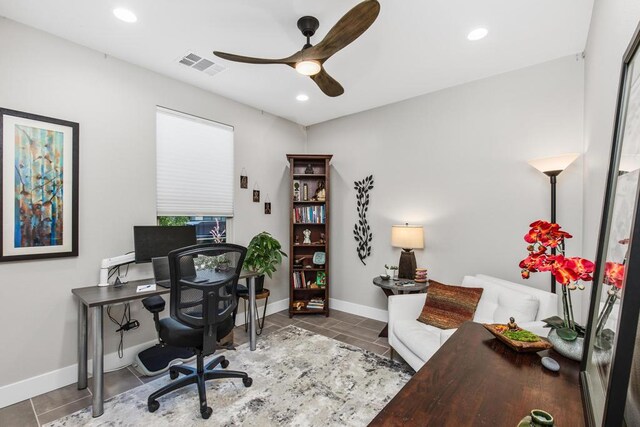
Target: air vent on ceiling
(199,63)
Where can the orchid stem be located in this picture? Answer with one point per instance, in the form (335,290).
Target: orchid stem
(572,324)
(565,307)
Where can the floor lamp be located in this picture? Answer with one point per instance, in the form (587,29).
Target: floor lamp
(552,167)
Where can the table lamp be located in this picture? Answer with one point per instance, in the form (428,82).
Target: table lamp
(552,167)
(407,237)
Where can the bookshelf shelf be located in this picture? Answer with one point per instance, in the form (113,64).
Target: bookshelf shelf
(305,213)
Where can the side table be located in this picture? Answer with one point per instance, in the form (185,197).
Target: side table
(393,286)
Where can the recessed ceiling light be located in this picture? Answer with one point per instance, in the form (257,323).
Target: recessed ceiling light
(477,34)
(302,97)
(125,15)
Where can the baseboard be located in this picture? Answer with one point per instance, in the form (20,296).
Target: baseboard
(359,309)
(34,386)
(43,383)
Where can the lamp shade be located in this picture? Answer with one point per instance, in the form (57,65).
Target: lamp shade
(555,164)
(407,236)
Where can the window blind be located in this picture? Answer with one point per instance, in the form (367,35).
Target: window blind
(194,166)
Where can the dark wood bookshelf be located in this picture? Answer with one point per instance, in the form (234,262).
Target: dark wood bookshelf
(298,164)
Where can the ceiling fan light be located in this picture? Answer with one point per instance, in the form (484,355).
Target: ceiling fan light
(308,68)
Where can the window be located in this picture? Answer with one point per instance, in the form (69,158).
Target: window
(194,173)
(208,228)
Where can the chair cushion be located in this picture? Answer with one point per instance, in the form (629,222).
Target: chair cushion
(423,340)
(178,334)
(448,307)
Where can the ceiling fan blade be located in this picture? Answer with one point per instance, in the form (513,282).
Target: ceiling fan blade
(251,60)
(347,29)
(327,84)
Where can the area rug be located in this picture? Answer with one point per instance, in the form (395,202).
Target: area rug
(299,379)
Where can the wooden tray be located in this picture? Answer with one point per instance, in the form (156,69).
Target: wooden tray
(519,346)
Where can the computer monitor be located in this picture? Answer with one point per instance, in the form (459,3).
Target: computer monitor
(151,241)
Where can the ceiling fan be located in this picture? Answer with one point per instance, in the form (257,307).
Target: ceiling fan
(310,59)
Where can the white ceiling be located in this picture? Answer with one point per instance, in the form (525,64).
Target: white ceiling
(414,47)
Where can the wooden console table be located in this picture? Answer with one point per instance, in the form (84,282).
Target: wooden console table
(475,380)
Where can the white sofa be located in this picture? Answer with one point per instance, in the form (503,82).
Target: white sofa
(416,342)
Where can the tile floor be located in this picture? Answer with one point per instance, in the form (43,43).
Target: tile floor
(345,327)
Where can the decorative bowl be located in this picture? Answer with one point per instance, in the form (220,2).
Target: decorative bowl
(385,276)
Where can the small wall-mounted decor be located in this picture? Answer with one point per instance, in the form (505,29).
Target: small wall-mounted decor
(244,179)
(361,230)
(256,193)
(39,207)
(267,206)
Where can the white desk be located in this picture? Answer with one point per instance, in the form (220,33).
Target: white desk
(95,298)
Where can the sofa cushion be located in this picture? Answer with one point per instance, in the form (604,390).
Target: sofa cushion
(448,307)
(548,301)
(488,303)
(499,303)
(423,340)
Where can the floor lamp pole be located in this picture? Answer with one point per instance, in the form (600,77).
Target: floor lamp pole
(553,178)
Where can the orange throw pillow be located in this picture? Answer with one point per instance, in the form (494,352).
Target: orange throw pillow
(448,307)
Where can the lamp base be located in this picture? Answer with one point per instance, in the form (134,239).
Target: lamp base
(407,265)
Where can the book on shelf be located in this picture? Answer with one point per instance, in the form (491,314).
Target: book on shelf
(309,214)
(315,303)
(300,281)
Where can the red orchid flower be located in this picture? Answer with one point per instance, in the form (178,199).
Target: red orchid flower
(614,274)
(546,233)
(580,266)
(563,271)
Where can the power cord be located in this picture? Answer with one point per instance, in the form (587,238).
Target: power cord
(125,324)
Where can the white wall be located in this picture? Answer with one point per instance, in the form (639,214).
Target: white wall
(115,104)
(455,161)
(612,26)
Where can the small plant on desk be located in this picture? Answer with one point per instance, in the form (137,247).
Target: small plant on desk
(391,270)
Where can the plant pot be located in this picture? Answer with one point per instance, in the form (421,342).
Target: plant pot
(259,283)
(390,273)
(569,349)
(537,418)
(574,349)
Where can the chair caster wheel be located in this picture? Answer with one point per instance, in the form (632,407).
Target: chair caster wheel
(173,374)
(153,406)
(247,381)
(224,364)
(206,413)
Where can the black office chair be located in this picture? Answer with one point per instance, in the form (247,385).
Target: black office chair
(202,309)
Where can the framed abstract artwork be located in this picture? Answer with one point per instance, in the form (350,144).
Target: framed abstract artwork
(39,181)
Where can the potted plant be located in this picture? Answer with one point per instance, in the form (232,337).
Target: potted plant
(264,254)
(391,270)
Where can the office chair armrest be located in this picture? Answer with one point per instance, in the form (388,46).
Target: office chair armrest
(154,304)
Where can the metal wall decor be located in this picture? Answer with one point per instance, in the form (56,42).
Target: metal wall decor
(361,230)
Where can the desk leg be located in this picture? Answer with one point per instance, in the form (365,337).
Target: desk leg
(98,363)
(82,345)
(252,313)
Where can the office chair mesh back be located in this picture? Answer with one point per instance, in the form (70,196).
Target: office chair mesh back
(203,287)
